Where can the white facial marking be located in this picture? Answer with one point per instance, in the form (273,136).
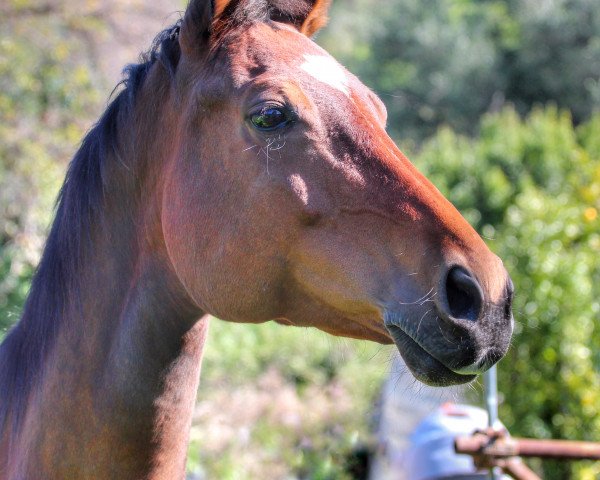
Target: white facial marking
(326,70)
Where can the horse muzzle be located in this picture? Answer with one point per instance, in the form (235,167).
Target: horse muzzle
(455,338)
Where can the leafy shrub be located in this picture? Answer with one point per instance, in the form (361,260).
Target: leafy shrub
(447,62)
(532,187)
(46,95)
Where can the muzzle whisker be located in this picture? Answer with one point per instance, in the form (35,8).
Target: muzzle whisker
(430,299)
(442,333)
(420,321)
(418,300)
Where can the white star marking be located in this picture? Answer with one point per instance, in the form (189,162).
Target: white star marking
(326,70)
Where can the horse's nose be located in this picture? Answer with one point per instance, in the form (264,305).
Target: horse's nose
(463,295)
(485,324)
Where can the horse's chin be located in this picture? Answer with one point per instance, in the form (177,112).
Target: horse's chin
(424,366)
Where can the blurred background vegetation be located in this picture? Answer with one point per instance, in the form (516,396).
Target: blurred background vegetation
(496,101)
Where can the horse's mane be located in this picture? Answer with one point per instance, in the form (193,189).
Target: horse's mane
(54,289)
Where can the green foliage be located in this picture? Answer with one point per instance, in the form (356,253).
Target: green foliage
(508,157)
(447,62)
(297,401)
(532,187)
(47,93)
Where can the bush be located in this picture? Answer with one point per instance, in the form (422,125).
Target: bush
(46,95)
(532,188)
(447,62)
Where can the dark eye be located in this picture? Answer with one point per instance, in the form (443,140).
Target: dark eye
(270,118)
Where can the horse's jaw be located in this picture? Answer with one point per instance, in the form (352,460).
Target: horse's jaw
(423,365)
(433,361)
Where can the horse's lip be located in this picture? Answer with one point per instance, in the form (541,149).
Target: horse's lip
(423,365)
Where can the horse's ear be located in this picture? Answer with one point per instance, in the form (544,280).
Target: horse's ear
(317,18)
(197,24)
(307,16)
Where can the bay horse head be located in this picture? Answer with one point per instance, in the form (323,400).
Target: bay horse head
(241,172)
(284,198)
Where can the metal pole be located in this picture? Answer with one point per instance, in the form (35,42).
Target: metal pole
(490,385)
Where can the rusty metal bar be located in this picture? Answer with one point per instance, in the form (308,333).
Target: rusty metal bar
(564,449)
(518,470)
(482,444)
(491,449)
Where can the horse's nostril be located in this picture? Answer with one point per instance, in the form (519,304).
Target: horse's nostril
(463,294)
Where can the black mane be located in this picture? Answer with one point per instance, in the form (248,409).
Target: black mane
(54,293)
(54,289)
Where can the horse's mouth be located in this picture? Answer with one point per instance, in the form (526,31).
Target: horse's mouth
(423,365)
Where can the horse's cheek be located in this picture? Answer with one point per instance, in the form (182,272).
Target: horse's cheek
(184,229)
(218,253)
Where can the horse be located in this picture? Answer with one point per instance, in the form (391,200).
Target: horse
(240,172)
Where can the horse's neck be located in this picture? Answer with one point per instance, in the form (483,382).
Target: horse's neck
(116,396)
(119,385)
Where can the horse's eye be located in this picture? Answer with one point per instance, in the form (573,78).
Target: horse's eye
(270,118)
